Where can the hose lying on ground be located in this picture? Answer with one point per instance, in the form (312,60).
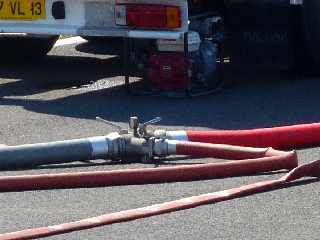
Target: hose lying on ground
(307,170)
(286,137)
(261,160)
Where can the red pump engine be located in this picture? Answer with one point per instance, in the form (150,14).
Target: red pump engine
(168,71)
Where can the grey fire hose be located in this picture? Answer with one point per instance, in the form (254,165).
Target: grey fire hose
(126,145)
(30,155)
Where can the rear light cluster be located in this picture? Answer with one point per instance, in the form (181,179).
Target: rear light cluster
(148,16)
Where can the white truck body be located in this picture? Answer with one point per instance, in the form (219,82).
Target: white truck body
(95,18)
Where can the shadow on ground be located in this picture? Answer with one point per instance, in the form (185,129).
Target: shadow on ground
(102,46)
(55,72)
(263,99)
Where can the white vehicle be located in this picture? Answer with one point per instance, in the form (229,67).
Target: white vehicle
(44,20)
(260,31)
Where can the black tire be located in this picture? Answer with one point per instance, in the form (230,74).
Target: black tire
(311,26)
(25,47)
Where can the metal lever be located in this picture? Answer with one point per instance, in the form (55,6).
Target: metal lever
(153,121)
(140,129)
(143,126)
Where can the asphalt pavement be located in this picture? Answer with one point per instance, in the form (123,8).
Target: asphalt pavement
(59,98)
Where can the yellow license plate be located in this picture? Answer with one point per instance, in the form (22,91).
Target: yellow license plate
(27,10)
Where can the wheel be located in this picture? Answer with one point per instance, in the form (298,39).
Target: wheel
(311,26)
(25,47)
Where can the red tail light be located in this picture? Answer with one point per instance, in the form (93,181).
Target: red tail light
(148,16)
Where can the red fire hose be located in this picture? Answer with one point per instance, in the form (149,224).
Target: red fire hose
(249,161)
(307,170)
(279,137)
